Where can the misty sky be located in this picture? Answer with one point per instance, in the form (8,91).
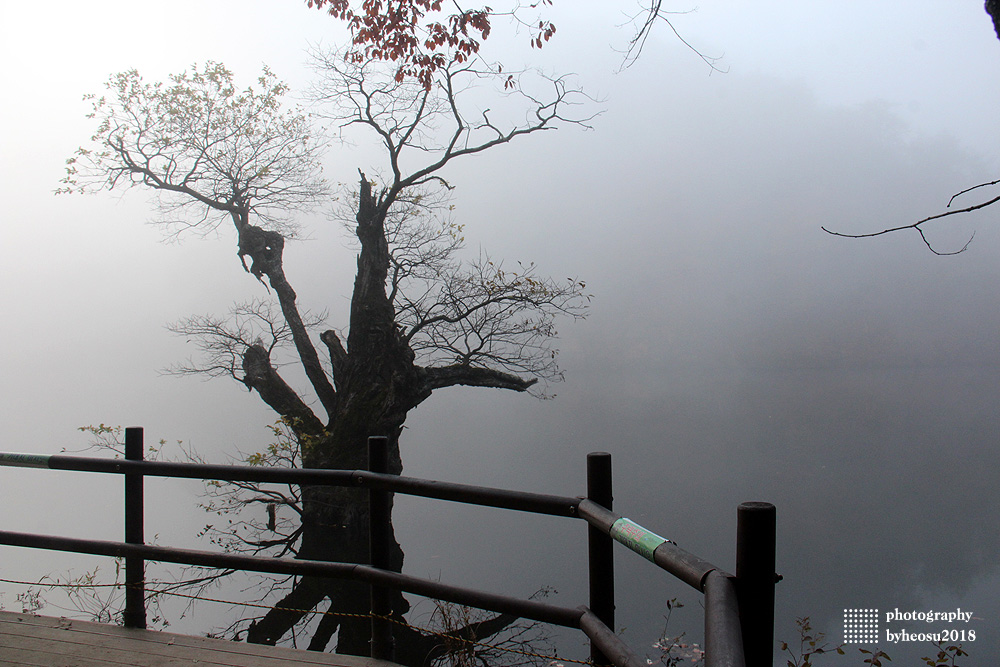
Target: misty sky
(734,351)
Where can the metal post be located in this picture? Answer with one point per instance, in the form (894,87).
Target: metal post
(601,550)
(723,645)
(135,567)
(755,579)
(380,541)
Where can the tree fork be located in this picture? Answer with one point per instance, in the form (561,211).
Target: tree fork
(260,375)
(266,249)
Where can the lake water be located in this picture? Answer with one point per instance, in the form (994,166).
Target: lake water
(884,481)
(853,385)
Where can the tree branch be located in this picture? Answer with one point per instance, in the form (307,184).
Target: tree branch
(338,355)
(474,632)
(305,595)
(223,341)
(324,632)
(265,249)
(649,15)
(546,114)
(473,376)
(919,229)
(430,120)
(260,375)
(372,332)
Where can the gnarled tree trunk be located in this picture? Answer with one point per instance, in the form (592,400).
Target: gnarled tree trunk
(377,384)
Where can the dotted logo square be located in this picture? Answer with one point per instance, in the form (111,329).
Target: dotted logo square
(861,626)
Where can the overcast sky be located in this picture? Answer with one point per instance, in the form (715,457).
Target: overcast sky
(734,351)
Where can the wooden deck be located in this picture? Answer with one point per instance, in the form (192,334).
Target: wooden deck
(41,641)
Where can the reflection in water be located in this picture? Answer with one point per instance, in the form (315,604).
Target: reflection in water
(883,479)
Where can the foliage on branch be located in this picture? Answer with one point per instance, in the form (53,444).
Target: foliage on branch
(421,36)
(208,150)
(256,518)
(946,655)
(811,644)
(671,649)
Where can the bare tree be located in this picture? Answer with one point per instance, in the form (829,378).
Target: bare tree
(420,318)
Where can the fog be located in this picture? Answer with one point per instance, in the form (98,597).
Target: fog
(734,351)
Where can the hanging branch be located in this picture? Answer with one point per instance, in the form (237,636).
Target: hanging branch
(918,225)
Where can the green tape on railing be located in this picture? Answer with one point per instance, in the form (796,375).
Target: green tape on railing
(636,538)
(24,460)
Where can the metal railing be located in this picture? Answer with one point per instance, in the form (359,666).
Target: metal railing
(739,610)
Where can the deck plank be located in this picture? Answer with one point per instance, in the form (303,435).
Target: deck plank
(42,641)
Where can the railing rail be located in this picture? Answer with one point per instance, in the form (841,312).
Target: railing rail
(537,503)
(532,609)
(739,611)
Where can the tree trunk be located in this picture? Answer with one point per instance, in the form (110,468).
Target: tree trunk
(335,529)
(377,384)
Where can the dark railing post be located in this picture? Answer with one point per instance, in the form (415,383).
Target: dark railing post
(601,549)
(380,541)
(755,579)
(135,566)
